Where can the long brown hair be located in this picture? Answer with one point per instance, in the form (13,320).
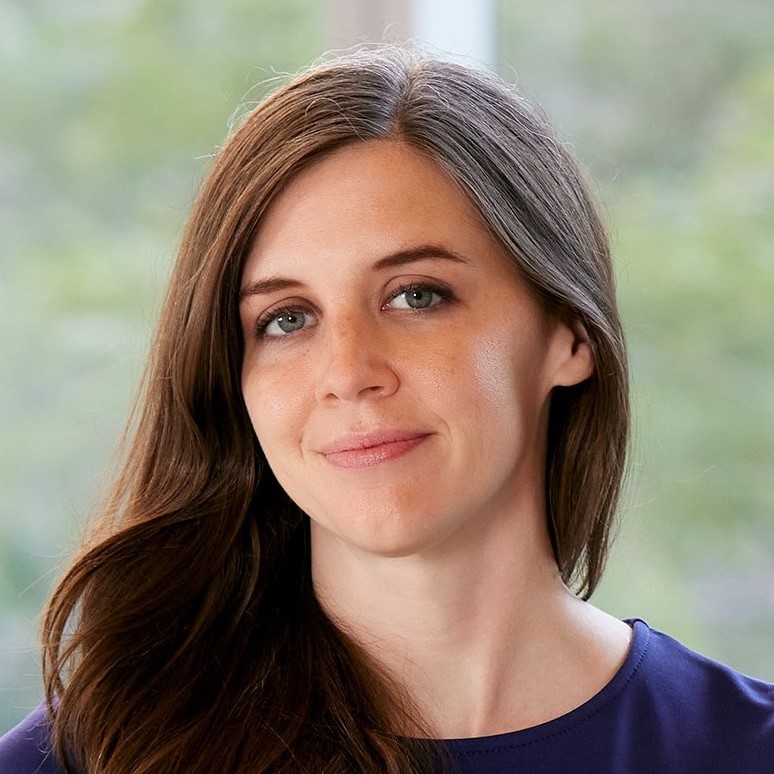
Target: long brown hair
(186,635)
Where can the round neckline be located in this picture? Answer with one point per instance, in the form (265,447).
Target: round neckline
(564,723)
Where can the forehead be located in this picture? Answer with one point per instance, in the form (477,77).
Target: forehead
(367,199)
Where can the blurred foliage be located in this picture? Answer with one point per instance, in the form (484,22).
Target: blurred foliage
(697,287)
(110,112)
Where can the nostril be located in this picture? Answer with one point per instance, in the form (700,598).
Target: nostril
(353,371)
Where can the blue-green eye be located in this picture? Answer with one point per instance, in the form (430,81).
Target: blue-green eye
(284,322)
(417,297)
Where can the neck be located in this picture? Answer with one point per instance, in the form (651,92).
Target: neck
(481,633)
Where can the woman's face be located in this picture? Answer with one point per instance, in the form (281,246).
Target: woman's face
(396,370)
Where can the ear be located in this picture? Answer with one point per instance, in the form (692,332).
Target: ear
(574,362)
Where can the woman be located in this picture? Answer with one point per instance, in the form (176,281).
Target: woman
(381,435)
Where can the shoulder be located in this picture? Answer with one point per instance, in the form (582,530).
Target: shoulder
(679,675)
(695,708)
(26,749)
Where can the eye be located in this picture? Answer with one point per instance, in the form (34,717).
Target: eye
(418,296)
(277,323)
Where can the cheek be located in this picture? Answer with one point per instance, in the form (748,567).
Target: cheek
(492,370)
(274,403)
(507,395)
(499,371)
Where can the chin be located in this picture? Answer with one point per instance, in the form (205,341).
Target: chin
(392,535)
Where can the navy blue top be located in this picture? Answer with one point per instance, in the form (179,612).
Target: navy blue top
(25,749)
(668,710)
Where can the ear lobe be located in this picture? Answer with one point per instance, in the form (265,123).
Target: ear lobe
(576,363)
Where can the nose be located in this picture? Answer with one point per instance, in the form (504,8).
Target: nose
(355,361)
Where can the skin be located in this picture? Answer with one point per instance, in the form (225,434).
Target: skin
(397,373)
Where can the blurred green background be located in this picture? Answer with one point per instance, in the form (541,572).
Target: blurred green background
(108,115)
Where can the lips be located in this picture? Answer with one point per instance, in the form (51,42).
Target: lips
(368,449)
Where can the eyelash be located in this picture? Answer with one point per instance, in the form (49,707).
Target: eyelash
(270,315)
(443,292)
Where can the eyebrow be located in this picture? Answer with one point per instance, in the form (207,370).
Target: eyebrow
(399,258)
